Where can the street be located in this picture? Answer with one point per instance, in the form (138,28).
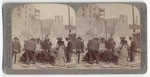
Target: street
(81,65)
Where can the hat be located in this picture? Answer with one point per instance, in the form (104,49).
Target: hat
(16,38)
(123,38)
(59,38)
(33,39)
(67,38)
(60,42)
(130,37)
(95,38)
(79,38)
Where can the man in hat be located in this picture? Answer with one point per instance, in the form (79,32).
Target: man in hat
(122,38)
(47,45)
(133,49)
(69,50)
(113,44)
(30,48)
(16,47)
(79,47)
(102,47)
(37,51)
(93,47)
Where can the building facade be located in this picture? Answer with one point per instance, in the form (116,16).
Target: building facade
(58,28)
(90,21)
(122,28)
(89,10)
(25,22)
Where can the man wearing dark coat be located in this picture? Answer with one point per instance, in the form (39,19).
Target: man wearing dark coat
(110,44)
(16,47)
(93,47)
(69,50)
(30,48)
(47,45)
(79,47)
(133,49)
(113,44)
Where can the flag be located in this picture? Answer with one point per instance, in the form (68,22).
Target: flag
(46,30)
(111,25)
(46,26)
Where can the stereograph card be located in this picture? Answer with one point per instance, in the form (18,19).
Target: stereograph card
(75,38)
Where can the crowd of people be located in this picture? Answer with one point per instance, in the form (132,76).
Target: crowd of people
(106,51)
(98,50)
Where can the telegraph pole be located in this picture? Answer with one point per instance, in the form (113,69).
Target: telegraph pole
(39,14)
(105,29)
(105,26)
(41,24)
(42,29)
(27,23)
(133,18)
(134,26)
(69,17)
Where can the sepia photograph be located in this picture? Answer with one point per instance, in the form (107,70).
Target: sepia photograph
(90,36)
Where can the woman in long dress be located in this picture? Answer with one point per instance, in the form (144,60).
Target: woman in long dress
(123,59)
(60,56)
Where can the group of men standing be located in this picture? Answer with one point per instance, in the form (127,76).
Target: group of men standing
(95,47)
(33,47)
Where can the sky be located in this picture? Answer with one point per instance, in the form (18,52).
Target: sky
(114,10)
(48,11)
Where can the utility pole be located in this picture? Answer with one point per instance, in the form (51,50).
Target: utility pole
(69,17)
(27,27)
(105,29)
(134,26)
(39,14)
(133,18)
(105,26)
(42,29)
